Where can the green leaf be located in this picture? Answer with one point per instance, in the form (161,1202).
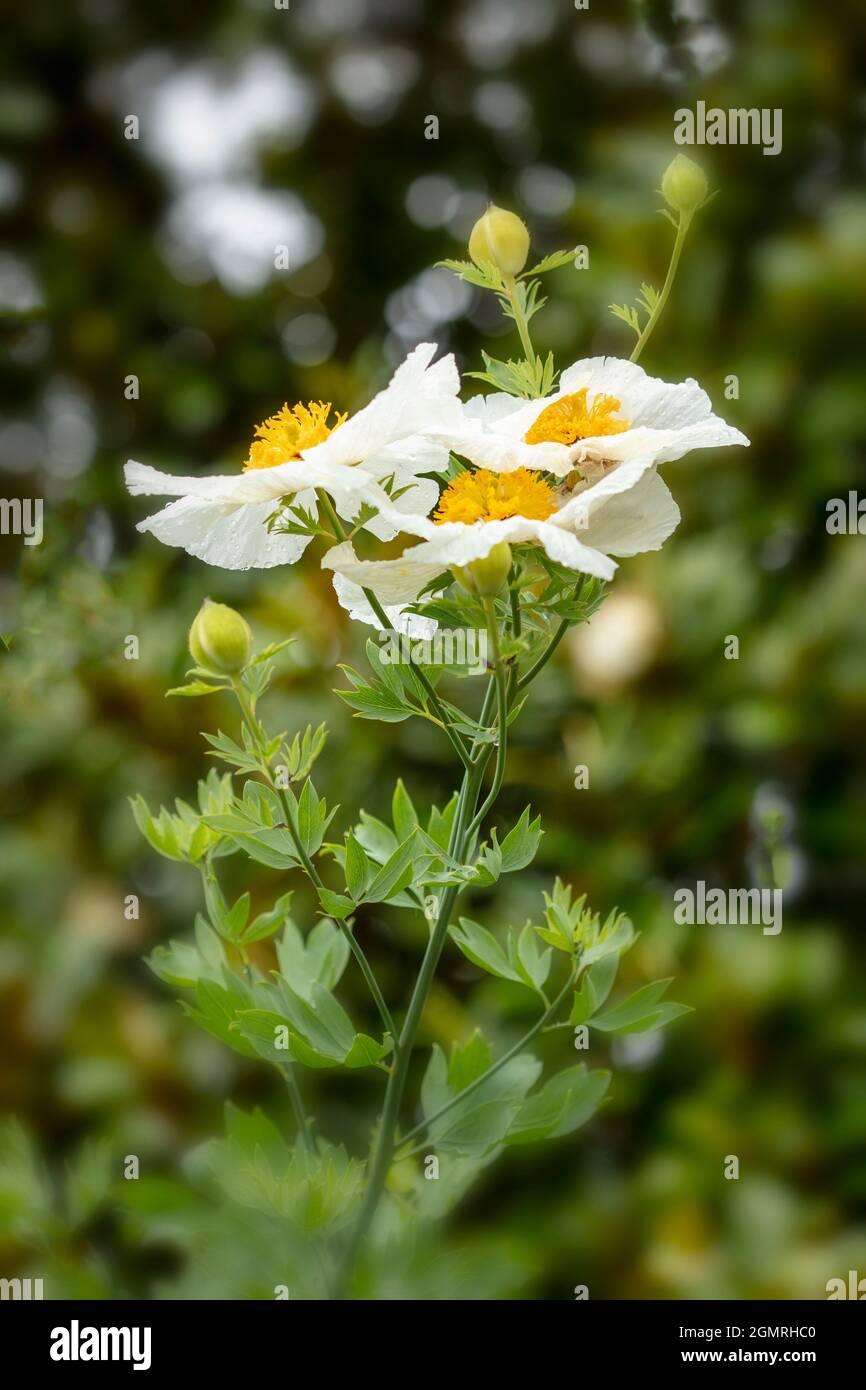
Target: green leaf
(357,869)
(565,1102)
(641,1012)
(403,813)
(468,1061)
(318,1030)
(183,963)
(486,275)
(217,1008)
(336,904)
(395,873)
(532,963)
(272,650)
(594,989)
(319,959)
(377,838)
(366,1052)
(628,315)
(551,262)
(266,923)
(478,1124)
(194,688)
(300,755)
(481,947)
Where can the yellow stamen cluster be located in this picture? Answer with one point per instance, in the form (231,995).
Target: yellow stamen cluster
(571,418)
(487,496)
(282,436)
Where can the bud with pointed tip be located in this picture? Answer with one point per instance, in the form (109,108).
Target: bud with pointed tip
(220,640)
(684,185)
(502,238)
(485,577)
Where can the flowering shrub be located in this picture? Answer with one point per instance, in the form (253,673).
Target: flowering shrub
(509,510)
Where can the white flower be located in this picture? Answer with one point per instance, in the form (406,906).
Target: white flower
(627,511)
(606,409)
(222,518)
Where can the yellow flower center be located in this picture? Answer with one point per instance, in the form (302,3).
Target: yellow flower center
(282,436)
(570,419)
(487,496)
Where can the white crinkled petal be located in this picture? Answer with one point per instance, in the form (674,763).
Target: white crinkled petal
(568,550)
(682,411)
(628,523)
(503,452)
(408,457)
(394,582)
(419,399)
(455,543)
(667,420)
(354,600)
(256,485)
(232,536)
(575,513)
(489,409)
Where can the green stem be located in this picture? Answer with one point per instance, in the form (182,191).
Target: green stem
(519,319)
(309,867)
(542,661)
(385,1141)
(301,1118)
(682,229)
(536,1028)
(502,705)
(452,734)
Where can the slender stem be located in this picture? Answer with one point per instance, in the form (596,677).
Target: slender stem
(542,661)
(514,600)
(519,319)
(301,1118)
(453,736)
(442,718)
(682,229)
(312,872)
(385,1140)
(502,722)
(328,508)
(536,1028)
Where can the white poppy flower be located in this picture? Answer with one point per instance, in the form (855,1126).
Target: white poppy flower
(222,518)
(606,410)
(627,511)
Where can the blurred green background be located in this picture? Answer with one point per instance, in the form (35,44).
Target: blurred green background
(305,127)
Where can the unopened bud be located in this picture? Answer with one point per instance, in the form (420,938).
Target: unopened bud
(684,185)
(486,576)
(220,640)
(502,238)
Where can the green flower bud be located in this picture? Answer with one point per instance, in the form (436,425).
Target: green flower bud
(502,238)
(487,576)
(220,640)
(684,185)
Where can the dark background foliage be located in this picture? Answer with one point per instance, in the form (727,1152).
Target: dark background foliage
(155,258)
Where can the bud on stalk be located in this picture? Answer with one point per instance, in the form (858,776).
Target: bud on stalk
(220,640)
(501,238)
(485,577)
(684,185)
